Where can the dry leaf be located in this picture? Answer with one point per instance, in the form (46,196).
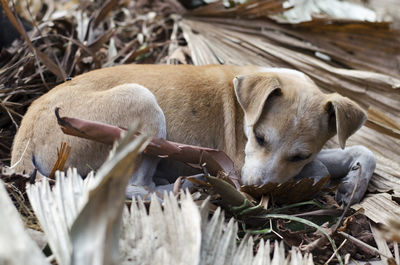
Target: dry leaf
(212,159)
(291,191)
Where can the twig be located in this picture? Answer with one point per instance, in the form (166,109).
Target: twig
(273,231)
(363,244)
(9,114)
(336,226)
(334,253)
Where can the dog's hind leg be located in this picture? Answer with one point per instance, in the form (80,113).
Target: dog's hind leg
(140,104)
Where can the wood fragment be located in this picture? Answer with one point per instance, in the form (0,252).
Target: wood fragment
(360,243)
(335,252)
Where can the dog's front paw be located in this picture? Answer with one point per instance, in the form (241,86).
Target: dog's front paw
(362,168)
(346,187)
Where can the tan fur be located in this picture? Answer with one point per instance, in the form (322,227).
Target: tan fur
(347,117)
(252,100)
(200,107)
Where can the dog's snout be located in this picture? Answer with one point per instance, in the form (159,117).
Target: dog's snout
(258,171)
(262,167)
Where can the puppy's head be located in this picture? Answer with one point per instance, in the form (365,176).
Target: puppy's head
(287,120)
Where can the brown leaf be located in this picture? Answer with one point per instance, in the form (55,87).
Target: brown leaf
(289,192)
(95,131)
(195,156)
(103,11)
(212,159)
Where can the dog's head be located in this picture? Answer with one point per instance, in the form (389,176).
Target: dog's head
(287,120)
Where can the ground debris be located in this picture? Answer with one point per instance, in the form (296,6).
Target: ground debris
(357,59)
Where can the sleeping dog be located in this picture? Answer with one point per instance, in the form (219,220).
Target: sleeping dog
(272,122)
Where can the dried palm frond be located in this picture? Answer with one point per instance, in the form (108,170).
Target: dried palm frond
(380,208)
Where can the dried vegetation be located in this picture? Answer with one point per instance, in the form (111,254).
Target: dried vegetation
(357,59)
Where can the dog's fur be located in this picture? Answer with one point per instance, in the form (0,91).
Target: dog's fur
(271,122)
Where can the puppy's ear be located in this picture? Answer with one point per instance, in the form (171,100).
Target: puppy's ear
(252,91)
(345,117)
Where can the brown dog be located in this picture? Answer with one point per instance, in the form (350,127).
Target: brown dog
(270,121)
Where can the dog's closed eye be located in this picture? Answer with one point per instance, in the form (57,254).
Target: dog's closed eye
(260,140)
(299,157)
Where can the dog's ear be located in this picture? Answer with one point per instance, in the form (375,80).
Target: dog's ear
(345,117)
(252,91)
